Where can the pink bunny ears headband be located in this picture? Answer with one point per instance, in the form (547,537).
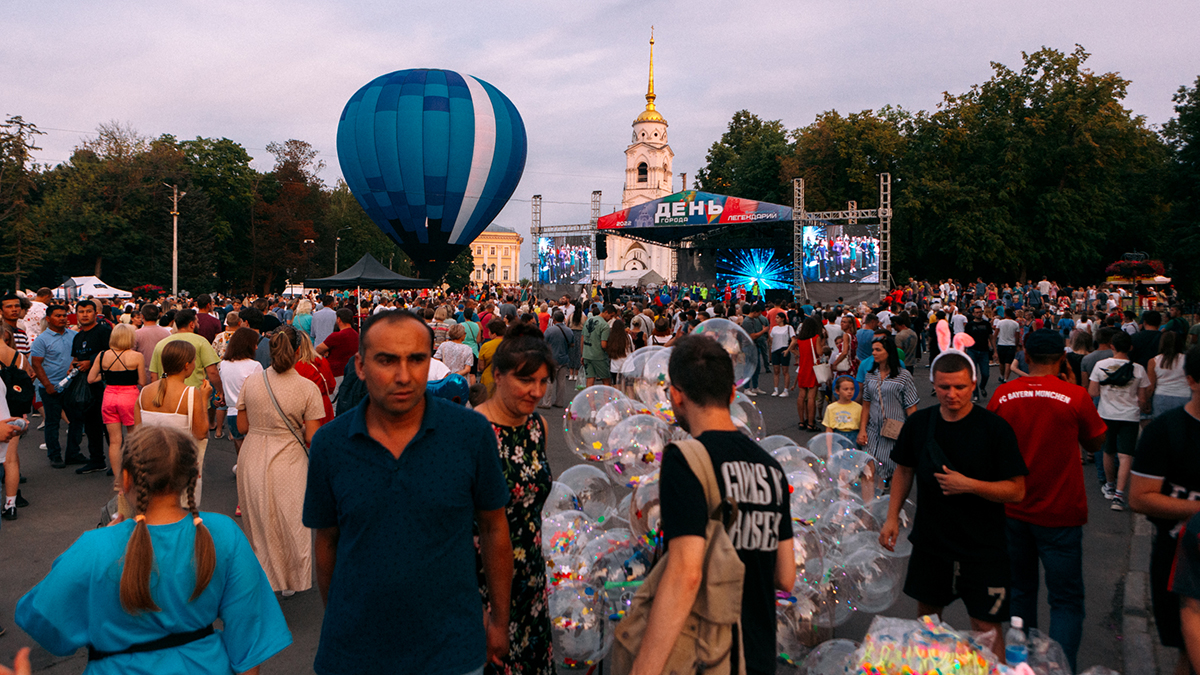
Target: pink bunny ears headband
(961,342)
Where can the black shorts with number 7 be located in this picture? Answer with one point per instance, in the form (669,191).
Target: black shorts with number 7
(983,586)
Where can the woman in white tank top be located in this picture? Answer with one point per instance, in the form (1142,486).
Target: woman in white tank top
(169,402)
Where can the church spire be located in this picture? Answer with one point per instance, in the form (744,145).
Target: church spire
(650,114)
(650,89)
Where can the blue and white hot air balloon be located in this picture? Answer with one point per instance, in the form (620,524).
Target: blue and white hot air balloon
(432,156)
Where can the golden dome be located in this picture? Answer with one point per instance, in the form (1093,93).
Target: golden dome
(650,114)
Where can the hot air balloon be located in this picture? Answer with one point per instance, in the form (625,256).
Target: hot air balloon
(432,156)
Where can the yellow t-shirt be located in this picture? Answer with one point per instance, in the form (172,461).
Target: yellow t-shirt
(486,351)
(843,416)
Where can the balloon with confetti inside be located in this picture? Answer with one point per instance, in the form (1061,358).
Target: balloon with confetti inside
(564,536)
(596,493)
(652,385)
(636,445)
(736,342)
(579,627)
(645,515)
(590,418)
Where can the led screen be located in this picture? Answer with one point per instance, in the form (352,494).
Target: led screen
(841,254)
(564,260)
(771,268)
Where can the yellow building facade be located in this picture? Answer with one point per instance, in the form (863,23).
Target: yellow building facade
(497,254)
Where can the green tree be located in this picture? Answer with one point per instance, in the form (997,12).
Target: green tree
(1036,171)
(290,207)
(746,161)
(458,274)
(1180,242)
(23,242)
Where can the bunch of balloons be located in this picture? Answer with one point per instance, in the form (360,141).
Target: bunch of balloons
(838,508)
(597,552)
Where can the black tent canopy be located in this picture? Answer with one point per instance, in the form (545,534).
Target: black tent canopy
(368,273)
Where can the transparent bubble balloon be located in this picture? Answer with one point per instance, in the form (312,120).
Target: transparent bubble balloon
(614,557)
(807,489)
(590,418)
(561,498)
(777,441)
(808,551)
(636,361)
(651,386)
(620,519)
(745,412)
(856,471)
(879,509)
(831,658)
(794,458)
(564,536)
(835,607)
(736,342)
(826,445)
(842,519)
(876,578)
(596,493)
(579,629)
(637,444)
(645,515)
(789,648)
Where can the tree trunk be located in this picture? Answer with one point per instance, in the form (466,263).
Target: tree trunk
(99,260)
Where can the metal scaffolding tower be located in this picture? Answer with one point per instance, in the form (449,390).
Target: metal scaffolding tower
(883,214)
(535,233)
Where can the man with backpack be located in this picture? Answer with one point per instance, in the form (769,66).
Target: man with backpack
(700,478)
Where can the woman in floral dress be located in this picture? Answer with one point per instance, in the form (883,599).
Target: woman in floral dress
(523,367)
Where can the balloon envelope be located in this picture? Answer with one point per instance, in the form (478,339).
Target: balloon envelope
(432,156)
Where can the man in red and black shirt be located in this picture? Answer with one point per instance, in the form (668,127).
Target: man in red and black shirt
(1051,418)
(341,345)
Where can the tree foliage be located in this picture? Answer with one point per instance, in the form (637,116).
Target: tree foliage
(1180,240)
(1038,170)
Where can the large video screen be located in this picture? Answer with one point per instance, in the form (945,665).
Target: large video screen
(847,254)
(771,268)
(564,260)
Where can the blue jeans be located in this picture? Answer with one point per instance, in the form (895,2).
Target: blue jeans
(1060,550)
(52,410)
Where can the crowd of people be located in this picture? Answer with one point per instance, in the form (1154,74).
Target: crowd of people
(329,400)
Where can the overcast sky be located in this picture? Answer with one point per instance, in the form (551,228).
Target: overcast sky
(268,70)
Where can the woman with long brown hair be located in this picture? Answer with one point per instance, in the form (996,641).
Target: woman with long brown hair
(809,345)
(170,402)
(278,411)
(142,595)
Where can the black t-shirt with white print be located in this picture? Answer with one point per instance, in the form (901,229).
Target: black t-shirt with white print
(757,483)
(1169,449)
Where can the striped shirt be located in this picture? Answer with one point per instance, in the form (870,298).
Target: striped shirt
(888,398)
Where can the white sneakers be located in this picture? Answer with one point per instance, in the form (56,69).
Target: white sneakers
(781,394)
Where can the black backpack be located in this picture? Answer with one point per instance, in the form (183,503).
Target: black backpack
(19,386)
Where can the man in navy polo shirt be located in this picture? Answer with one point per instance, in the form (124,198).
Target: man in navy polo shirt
(394,489)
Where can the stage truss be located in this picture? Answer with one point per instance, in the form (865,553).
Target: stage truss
(537,230)
(802,218)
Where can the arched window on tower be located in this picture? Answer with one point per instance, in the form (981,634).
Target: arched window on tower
(643,172)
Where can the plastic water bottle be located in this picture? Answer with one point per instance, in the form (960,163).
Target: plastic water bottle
(1016,648)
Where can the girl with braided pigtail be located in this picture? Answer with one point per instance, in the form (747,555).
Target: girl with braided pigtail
(142,594)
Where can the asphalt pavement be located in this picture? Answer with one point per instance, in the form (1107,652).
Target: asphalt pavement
(63,505)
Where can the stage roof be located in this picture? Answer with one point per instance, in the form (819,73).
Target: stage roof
(688,213)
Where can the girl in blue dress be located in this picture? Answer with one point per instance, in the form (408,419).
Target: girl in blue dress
(142,594)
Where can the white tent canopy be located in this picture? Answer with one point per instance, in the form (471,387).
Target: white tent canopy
(634,278)
(88,287)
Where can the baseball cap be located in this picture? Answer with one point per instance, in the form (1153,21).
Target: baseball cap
(1045,343)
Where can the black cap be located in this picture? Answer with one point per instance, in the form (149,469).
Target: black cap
(1045,343)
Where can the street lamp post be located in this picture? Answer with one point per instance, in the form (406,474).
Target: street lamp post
(175,197)
(337,240)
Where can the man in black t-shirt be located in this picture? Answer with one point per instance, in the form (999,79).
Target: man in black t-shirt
(967,465)
(701,390)
(980,330)
(90,341)
(1165,486)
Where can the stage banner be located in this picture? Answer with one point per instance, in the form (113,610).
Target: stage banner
(692,208)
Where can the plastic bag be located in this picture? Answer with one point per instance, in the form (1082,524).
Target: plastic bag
(1046,656)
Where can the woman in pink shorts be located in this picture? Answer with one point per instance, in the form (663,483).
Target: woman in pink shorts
(123,370)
